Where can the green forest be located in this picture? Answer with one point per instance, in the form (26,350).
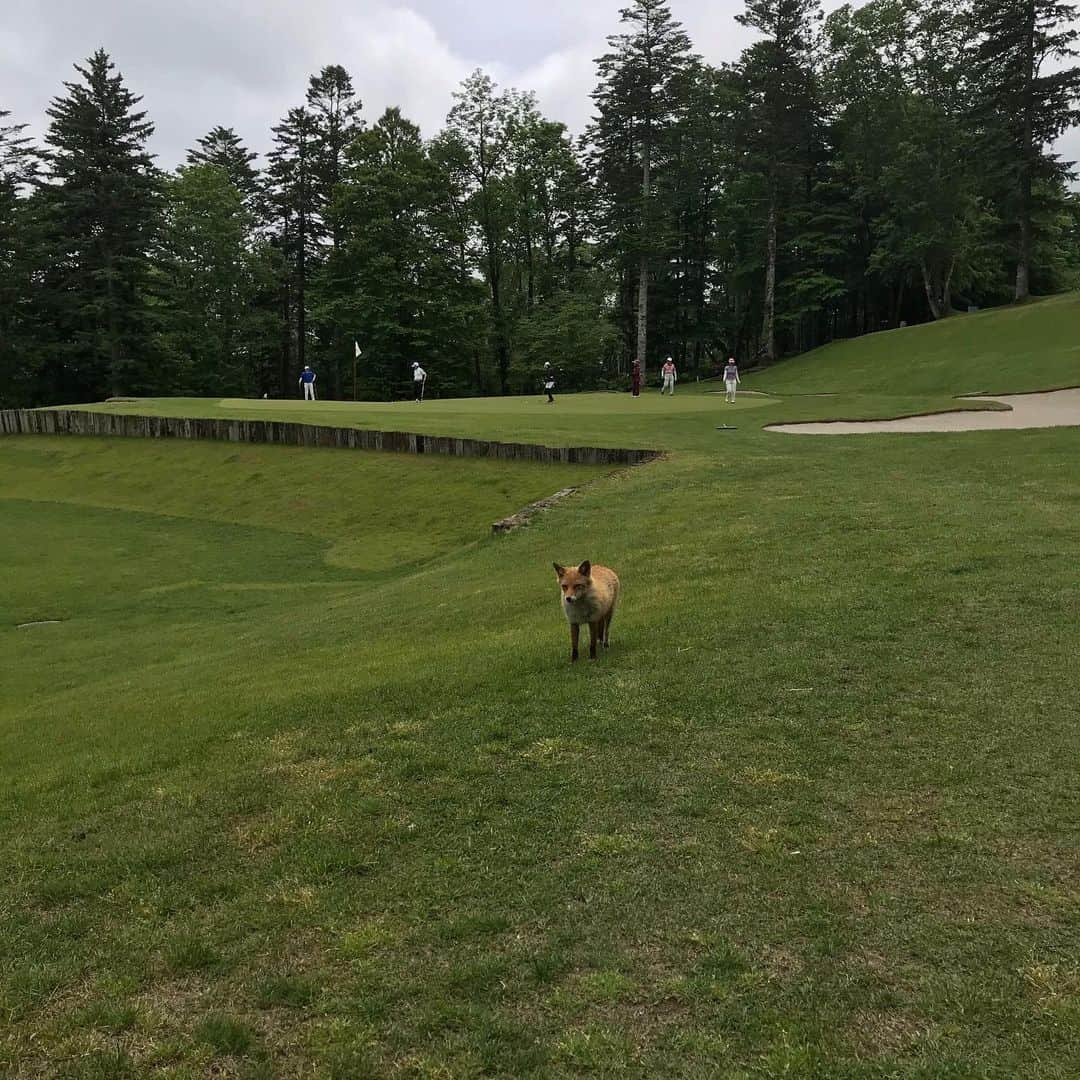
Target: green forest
(889,163)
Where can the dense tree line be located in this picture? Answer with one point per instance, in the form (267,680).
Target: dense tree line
(889,163)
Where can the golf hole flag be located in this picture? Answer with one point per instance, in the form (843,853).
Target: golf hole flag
(359,351)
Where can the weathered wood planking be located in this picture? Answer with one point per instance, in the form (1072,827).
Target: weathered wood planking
(74,422)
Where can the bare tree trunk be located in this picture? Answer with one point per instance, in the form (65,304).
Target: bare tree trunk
(301,290)
(768,324)
(286,340)
(938,289)
(114,345)
(1027,151)
(932,297)
(898,305)
(643,269)
(502,351)
(1024,262)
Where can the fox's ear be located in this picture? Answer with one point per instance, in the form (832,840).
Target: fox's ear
(585,569)
(559,570)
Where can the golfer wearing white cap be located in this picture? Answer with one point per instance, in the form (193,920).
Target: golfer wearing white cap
(419,381)
(671,376)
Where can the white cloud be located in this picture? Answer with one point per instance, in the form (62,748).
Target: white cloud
(242,63)
(396,57)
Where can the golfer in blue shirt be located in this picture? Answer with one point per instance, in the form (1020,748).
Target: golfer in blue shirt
(307,381)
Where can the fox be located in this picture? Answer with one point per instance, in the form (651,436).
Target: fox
(589,595)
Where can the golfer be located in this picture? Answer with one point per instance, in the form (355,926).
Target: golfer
(731,380)
(419,378)
(549,382)
(671,377)
(307,381)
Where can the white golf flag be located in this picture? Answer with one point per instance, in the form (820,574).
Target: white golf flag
(359,352)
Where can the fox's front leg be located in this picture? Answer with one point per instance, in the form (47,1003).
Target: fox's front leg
(594,639)
(575,637)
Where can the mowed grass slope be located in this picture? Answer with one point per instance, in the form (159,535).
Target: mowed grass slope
(1030,347)
(366,512)
(137,549)
(268,812)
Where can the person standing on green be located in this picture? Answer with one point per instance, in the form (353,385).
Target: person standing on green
(549,382)
(731,380)
(671,377)
(419,381)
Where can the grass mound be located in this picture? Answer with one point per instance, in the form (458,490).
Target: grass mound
(369,512)
(1030,347)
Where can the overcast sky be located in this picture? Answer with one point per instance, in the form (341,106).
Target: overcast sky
(242,63)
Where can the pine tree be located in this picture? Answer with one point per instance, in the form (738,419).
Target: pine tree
(636,108)
(476,145)
(693,189)
(936,219)
(103,210)
(780,121)
(214,271)
(393,279)
(292,197)
(866,87)
(1025,107)
(221,146)
(335,113)
(17,166)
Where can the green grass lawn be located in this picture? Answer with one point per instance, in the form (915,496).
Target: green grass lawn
(302,784)
(1031,347)
(920,369)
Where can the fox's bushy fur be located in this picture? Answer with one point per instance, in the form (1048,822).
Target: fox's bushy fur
(589,596)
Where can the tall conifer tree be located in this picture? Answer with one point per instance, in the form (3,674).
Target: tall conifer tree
(292,185)
(476,148)
(335,112)
(222,147)
(636,104)
(17,165)
(1025,105)
(103,212)
(780,119)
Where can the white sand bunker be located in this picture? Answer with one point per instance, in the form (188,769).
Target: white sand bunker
(1059,408)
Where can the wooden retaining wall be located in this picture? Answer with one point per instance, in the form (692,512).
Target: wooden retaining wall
(74,422)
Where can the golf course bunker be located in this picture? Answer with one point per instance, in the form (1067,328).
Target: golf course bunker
(1057,408)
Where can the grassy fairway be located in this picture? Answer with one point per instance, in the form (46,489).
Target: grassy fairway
(1026,348)
(312,791)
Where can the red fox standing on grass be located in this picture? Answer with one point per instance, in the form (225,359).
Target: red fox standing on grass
(589,595)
